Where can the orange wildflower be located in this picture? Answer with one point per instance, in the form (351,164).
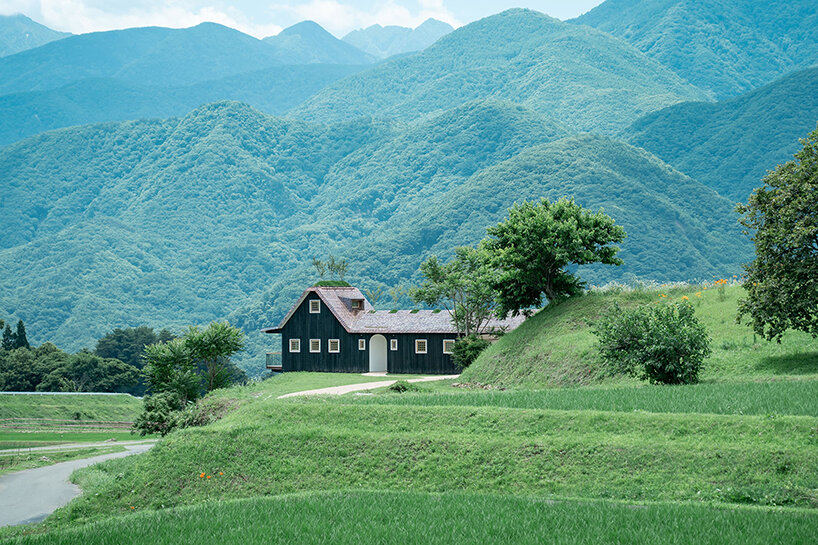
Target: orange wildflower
(208,476)
(202,476)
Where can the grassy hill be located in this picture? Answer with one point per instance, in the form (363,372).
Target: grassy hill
(385,41)
(730,145)
(724,46)
(18,33)
(577,75)
(182,221)
(557,348)
(307,42)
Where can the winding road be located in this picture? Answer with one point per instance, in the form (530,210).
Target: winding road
(31,495)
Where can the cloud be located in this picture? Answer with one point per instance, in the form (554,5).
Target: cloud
(80,16)
(342,17)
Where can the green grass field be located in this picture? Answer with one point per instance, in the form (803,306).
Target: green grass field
(762,398)
(70,407)
(557,348)
(731,460)
(340,518)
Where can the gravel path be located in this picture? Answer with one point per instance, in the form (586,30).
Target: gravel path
(339,390)
(31,495)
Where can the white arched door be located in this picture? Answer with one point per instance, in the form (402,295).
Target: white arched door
(377,354)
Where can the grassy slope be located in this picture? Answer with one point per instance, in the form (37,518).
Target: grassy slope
(388,517)
(557,348)
(122,408)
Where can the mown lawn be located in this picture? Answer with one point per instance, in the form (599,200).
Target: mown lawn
(457,518)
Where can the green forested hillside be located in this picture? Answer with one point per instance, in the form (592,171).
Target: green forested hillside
(218,213)
(272,90)
(724,46)
(575,74)
(731,145)
(386,41)
(307,42)
(18,33)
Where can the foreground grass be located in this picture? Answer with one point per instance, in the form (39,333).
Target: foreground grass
(452,518)
(18,461)
(280,447)
(762,398)
(556,347)
(121,408)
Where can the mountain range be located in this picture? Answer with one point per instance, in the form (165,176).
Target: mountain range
(387,41)
(178,207)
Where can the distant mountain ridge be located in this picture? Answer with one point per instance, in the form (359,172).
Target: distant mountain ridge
(386,41)
(730,145)
(307,42)
(575,74)
(19,33)
(726,47)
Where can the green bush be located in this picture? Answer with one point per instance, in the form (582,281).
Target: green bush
(663,343)
(160,414)
(466,350)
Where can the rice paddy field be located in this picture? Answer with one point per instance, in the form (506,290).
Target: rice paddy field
(602,460)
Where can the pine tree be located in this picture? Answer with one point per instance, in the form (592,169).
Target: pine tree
(8,338)
(20,340)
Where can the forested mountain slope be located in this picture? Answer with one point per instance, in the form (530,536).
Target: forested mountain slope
(575,74)
(386,41)
(724,46)
(185,220)
(273,90)
(731,145)
(18,33)
(307,42)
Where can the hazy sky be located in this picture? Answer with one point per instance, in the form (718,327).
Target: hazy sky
(266,17)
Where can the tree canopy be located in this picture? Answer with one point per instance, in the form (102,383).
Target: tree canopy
(533,248)
(782,219)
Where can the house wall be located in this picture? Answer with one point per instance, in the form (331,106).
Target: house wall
(324,326)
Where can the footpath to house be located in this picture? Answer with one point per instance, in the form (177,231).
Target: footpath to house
(340,390)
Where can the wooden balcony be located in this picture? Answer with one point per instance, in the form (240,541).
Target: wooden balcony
(274,362)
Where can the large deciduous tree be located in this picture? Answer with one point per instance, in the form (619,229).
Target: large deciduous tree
(782,219)
(535,245)
(463,286)
(212,348)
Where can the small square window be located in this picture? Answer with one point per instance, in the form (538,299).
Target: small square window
(393,344)
(361,344)
(334,346)
(295,345)
(315,306)
(420,346)
(315,345)
(448,346)
(357,304)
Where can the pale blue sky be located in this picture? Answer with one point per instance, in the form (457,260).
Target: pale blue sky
(267,17)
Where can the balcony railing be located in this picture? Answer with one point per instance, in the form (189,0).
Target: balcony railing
(274,361)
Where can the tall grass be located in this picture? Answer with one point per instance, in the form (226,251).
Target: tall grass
(340,518)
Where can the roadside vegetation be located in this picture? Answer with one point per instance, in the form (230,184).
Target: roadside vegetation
(18,459)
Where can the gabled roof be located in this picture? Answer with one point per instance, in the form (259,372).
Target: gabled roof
(339,301)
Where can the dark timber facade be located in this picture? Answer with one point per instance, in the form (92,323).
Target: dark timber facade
(335,329)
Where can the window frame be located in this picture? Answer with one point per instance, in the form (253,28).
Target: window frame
(297,348)
(329,346)
(318,351)
(356,304)
(425,346)
(393,345)
(444,346)
(361,344)
(317,303)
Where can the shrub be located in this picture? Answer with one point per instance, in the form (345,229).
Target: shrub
(402,386)
(204,412)
(159,414)
(466,350)
(665,344)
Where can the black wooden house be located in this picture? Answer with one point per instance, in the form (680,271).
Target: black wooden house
(335,329)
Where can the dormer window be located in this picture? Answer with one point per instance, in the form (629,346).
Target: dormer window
(357,304)
(315,306)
